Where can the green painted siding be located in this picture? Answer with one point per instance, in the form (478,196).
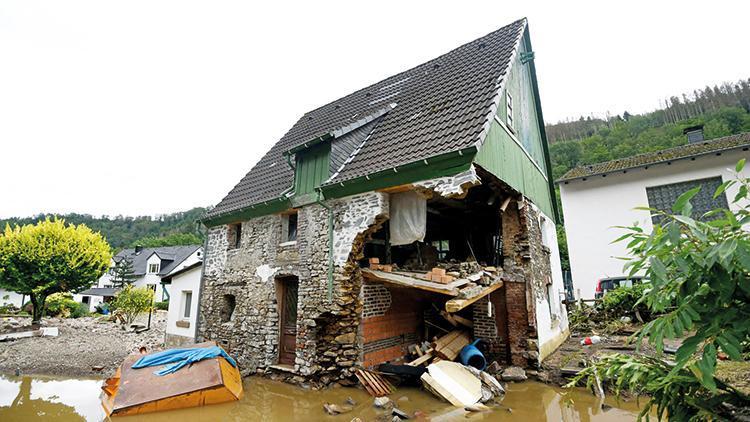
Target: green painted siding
(312,168)
(525,119)
(503,157)
(519,162)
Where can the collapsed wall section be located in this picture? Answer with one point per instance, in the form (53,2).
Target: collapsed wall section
(240,301)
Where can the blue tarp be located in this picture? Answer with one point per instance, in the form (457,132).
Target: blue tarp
(181,357)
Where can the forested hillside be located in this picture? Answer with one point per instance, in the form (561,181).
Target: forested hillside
(180,228)
(724,110)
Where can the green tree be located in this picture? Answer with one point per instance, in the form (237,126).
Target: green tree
(132,301)
(698,270)
(174,239)
(122,273)
(50,257)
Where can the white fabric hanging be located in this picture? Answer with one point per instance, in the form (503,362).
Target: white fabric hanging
(408,218)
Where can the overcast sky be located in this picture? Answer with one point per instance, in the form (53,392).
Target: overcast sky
(148,107)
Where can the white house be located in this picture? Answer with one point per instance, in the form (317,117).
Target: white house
(12,298)
(597,198)
(150,266)
(183,305)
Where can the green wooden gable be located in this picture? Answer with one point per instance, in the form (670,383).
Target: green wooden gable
(312,169)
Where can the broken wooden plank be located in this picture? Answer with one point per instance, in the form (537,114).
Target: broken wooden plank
(374,383)
(455,305)
(444,340)
(451,350)
(448,317)
(463,321)
(406,281)
(422,359)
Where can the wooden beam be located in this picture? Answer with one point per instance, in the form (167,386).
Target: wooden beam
(422,359)
(455,305)
(406,281)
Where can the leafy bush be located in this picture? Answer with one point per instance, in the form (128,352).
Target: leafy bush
(626,301)
(132,302)
(61,304)
(162,306)
(81,310)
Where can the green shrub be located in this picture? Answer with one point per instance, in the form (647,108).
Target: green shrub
(162,306)
(81,310)
(624,301)
(132,302)
(61,304)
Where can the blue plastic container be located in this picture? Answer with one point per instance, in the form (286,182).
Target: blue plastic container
(471,356)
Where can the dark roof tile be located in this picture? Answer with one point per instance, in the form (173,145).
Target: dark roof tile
(442,106)
(656,157)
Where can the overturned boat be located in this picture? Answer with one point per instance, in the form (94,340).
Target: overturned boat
(192,376)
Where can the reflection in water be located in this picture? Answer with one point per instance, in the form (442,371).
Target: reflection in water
(40,398)
(37,398)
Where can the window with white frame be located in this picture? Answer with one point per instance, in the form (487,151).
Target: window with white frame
(153,268)
(509,110)
(187,300)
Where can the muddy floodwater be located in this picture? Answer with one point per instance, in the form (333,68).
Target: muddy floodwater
(58,399)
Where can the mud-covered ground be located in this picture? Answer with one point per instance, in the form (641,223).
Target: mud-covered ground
(82,345)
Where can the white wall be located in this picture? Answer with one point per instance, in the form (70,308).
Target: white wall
(188,281)
(13,298)
(551,317)
(592,208)
(93,301)
(152,279)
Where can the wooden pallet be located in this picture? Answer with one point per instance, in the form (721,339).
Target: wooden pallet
(374,383)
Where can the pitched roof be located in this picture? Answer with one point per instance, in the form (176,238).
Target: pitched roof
(168,278)
(171,257)
(100,291)
(682,152)
(441,106)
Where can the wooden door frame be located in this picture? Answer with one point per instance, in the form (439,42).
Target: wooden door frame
(280,285)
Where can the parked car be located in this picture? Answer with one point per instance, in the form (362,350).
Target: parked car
(610,283)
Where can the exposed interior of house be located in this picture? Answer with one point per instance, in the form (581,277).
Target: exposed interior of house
(434,272)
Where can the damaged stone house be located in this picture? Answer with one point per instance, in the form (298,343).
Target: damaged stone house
(422,195)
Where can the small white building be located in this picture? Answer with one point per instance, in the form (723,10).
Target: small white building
(150,267)
(183,305)
(12,298)
(597,198)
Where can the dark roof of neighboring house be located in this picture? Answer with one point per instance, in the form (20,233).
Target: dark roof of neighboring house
(444,105)
(100,291)
(183,270)
(682,152)
(171,257)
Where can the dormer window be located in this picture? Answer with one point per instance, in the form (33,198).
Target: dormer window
(153,268)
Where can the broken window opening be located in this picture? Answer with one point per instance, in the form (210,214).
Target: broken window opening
(234,236)
(227,308)
(291,232)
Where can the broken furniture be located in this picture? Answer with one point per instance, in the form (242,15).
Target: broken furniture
(134,391)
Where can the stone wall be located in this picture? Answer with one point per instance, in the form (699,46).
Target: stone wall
(328,343)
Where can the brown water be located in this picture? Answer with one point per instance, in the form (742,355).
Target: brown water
(57,399)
